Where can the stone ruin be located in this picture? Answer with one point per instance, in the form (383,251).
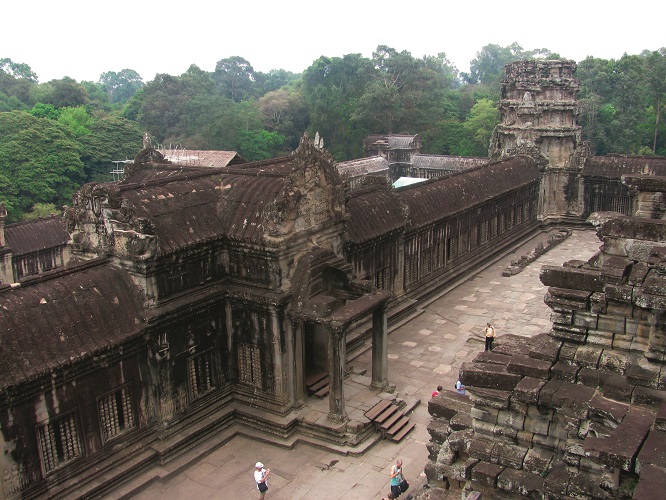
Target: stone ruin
(579,412)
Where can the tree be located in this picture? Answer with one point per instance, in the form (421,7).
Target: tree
(39,163)
(76,119)
(16,82)
(121,86)
(235,78)
(17,70)
(255,145)
(111,138)
(655,72)
(285,112)
(480,125)
(62,93)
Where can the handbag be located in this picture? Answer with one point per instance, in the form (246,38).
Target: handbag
(404,486)
(263,487)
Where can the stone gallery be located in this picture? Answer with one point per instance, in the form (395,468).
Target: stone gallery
(189,299)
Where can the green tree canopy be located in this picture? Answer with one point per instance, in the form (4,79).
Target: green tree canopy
(120,86)
(39,163)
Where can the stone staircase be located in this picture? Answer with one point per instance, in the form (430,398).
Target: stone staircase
(389,418)
(317,384)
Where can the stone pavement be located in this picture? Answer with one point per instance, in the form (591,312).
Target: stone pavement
(424,352)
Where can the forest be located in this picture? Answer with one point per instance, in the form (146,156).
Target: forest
(56,136)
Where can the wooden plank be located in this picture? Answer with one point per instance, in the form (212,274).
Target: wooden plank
(377,409)
(403,432)
(313,378)
(394,418)
(319,385)
(386,414)
(397,426)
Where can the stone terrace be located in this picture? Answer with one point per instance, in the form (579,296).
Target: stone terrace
(426,351)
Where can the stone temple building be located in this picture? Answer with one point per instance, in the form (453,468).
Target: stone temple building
(195,300)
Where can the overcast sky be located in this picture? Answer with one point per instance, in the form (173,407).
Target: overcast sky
(83,39)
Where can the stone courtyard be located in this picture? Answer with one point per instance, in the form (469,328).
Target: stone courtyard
(425,351)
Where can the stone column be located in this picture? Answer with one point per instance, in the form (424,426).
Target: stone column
(278,374)
(379,348)
(337,361)
(299,365)
(291,368)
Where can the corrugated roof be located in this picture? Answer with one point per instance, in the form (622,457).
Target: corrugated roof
(70,317)
(396,141)
(35,235)
(354,168)
(613,166)
(431,200)
(202,158)
(454,163)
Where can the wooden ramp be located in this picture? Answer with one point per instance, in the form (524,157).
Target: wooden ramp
(389,419)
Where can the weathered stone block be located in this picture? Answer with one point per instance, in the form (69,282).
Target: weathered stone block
(459,440)
(621,448)
(653,451)
(483,428)
(486,473)
(587,356)
(557,482)
(538,461)
(585,319)
(613,324)
(459,470)
(536,425)
(547,392)
(592,378)
(564,372)
(518,406)
(638,273)
(447,404)
(585,486)
(660,418)
(433,450)
(652,480)
(508,455)
(617,387)
(619,293)
(569,333)
(493,358)
(510,419)
(491,398)
(438,429)
(550,443)
(562,318)
(544,347)
(598,303)
(567,352)
(558,430)
(571,278)
(485,414)
(524,438)
(445,455)
(647,396)
(461,421)
(520,482)
(527,390)
(573,399)
(614,361)
(529,367)
(489,376)
(599,339)
(481,448)
(609,412)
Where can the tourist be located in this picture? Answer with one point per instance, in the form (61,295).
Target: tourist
(396,478)
(490,336)
(260,475)
(460,388)
(439,389)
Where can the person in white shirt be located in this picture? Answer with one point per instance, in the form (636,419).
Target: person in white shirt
(260,475)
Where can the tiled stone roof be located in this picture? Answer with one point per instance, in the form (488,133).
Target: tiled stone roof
(35,235)
(70,316)
(614,166)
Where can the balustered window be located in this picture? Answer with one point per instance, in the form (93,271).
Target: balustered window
(59,442)
(249,365)
(199,375)
(116,413)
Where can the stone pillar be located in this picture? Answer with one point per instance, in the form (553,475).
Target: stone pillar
(337,361)
(291,368)
(299,365)
(379,348)
(278,374)
(231,346)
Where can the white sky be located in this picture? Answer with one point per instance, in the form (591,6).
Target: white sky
(83,39)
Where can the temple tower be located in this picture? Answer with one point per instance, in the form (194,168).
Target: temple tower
(538,109)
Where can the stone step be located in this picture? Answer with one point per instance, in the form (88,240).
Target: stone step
(314,388)
(313,378)
(373,412)
(403,432)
